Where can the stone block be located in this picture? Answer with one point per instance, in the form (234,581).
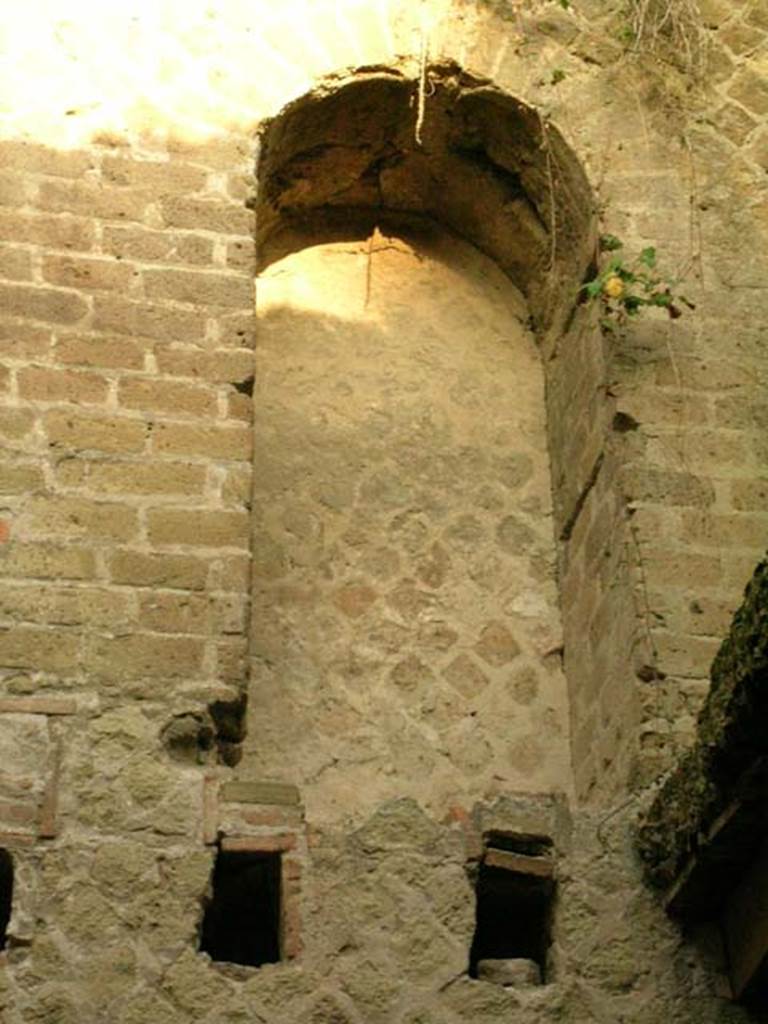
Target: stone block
(515,973)
(206,440)
(56,232)
(44,384)
(200,288)
(147,319)
(108,353)
(168,396)
(87,273)
(243,792)
(84,432)
(198,527)
(59,307)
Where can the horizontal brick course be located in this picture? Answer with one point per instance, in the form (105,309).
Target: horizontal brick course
(146,319)
(47,561)
(147,246)
(87,273)
(160,176)
(205,440)
(94,199)
(199,287)
(38,705)
(143,655)
(198,527)
(140,569)
(54,232)
(66,517)
(146,478)
(57,306)
(215,365)
(171,396)
(208,215)
(100,353)
(35,158)
(46,384)
(39,650)
(83,432)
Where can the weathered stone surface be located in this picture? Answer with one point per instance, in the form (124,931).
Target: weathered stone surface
(513,973)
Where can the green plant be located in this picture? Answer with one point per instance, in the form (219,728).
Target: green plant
(625,288)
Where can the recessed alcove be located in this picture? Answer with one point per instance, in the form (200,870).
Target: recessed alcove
(404,589)
(241,923)
(482,163)
(514,890)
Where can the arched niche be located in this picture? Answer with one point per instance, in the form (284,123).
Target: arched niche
(406,620)
(476,160)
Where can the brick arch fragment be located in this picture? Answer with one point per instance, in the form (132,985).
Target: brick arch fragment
(481,162)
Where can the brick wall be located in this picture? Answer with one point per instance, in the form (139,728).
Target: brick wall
(126,330)
(126,338)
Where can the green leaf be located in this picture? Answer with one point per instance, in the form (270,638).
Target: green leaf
(565,4)
(593,288)
(648,257)
(610,243)
(557,76)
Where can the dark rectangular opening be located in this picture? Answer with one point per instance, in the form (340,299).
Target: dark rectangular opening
(515,895)
(241,923)
(6,895)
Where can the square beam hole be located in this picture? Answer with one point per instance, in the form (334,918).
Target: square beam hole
(515,892)
(241,923)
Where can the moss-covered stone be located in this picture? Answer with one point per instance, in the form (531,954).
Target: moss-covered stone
(731,736)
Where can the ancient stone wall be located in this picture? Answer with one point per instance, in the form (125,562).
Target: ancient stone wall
(131,493)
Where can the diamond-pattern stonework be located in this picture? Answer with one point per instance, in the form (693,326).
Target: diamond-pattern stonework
(400,517)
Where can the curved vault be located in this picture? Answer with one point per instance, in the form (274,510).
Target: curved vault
(485,165)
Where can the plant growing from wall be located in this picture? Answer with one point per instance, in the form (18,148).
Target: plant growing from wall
(624,288)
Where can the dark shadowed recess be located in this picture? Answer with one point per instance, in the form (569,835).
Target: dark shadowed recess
(6,894)
(241,924)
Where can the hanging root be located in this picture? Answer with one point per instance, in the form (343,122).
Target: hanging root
(421,95)
(673,26)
